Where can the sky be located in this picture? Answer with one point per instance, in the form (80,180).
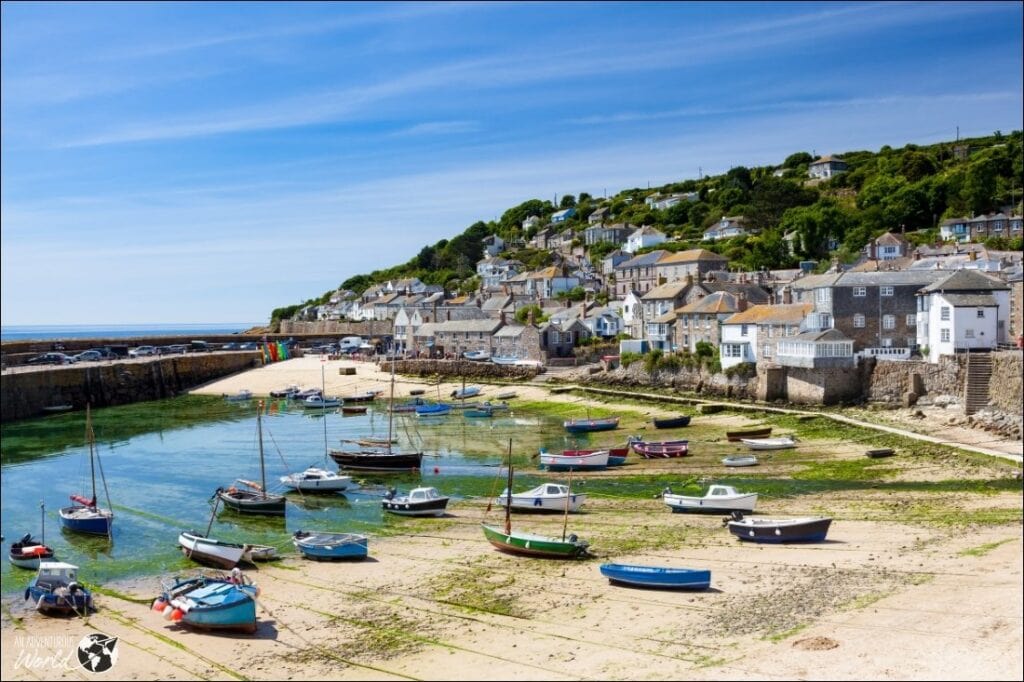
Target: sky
(206,162)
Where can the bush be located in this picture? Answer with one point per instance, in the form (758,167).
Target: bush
(745,370)
(628,358)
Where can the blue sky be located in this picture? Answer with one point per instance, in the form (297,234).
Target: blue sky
(209,162)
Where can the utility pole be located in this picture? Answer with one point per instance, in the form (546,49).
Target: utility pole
(958,133)
(700,173)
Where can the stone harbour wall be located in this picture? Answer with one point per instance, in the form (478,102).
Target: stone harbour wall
(697,381)
(455,369)
(889,382)
(1007,384)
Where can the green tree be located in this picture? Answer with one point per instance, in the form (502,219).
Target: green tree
(794,160)
(523,314)
(979,186)
(568,201)
(772,197)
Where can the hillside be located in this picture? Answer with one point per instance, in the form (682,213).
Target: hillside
(911,189)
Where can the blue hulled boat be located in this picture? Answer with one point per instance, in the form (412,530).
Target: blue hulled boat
(211,603)
(659,577)
(56,590)
(321,546)
(435,410)
(85,516)
(589,425)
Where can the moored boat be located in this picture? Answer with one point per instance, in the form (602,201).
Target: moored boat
(29,552)
(354,409)
(210,551)
(780,443)
(672,422)
(736,436)
(466,392)
(323,546)
(435,410)
(665,449)
(597,459)
(284,392)
(419,502)
(477,355)
(364,397)
(378,461)
(740,461)
(616,456)
(717,499)
(590,425)
(478,412)
(879,453)
(505,395)
(55,590)
(211,603)
(321,402)
(314,480)
(255,499)
(547,497)
(241,396)
(528,544)
(778,530)
(85,516)
(657,576)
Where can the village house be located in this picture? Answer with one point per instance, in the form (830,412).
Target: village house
(752,335)
(642,238)
(637,274)
(632,314)
(519,342)
(656,304)
(962,311)
(605,322)
(614,234)
(826,167)
(558,340)
(660,202)
(456,337)
(493,245)
(889,246)
(549,282)
(694,262)
(562,216)
(701,320)
(816,350)
(494,272)
(598,215)
(613,260)
(981,227)
(727,227)
(530,222)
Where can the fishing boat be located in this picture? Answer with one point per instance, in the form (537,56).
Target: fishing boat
(29,552)
(320,402)
(718,498)
(880,453)
(284,392)
(672,422)
(326,546)
(665,449)
(529,544)
(241,396)
(740,461)
(505,395)
(657,576)
(211,603)
(408,406)
(547,497)
(780,443)
(316,480)
(806,529)
(598,459)
(55,590)
(478,412)
(255,499)
(210,551)
(466,392)
(736,436)
(477,355)
(434,410)
(85,516)
(364,397)
(354,409)
(496,406)
(417,391)
(306,393)
(591,425)
(463,405)
(419,502)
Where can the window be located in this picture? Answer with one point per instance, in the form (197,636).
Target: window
(944,335)
(743,330)
(885,291)
(981,313)
(860,291)
(858,321)
(944,313)
(823,295)
(911,320)
(888,321)
(766,350)
(733,350)
(969,333)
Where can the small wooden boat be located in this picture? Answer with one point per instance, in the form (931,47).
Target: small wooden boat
(672,422)
(659,577)
(616,456)
(467,392)
(496,406)
(547,497)
(879,453)
(478,412)
(417,391)
(55,590)
(409,406)
(322,546)
(740,461)
(365,397)
(255,500)
(591,425)
(85,516)
(241,396)
(718,498)
(505,395)
(436,410)
(736,436)
(320,402)
(284,392)
(302,395)
(660,449)
(462,405)
(419,502)
(259,553)
(597,459)
(315,480)
(354,409)
(210,551)
(778,530)
(211,603)
(381,462)
(29,553)
(781,443)
(528,544)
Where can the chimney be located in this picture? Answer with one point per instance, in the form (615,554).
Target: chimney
(787,296)
(741,302)
(583,310)
(449,311)
(973,255)
(689,280)
(871,250)
(529,317)
(501,317)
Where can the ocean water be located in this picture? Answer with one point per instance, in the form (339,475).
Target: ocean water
(164,459)
(112,331)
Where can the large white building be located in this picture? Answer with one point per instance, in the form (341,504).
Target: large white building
(965,311)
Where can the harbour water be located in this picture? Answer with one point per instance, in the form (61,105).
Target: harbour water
(116,331)
(163,460)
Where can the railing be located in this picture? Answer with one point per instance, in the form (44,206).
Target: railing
(891,353)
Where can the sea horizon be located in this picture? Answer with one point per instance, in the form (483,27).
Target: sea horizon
(32,332)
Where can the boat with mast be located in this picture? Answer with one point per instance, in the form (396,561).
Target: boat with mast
(315,479)
(528,544)
(85,516)
(255,500)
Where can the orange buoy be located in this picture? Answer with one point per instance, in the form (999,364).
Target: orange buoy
(159,605)
(177,614)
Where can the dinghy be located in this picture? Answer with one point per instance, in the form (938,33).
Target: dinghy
(657,577)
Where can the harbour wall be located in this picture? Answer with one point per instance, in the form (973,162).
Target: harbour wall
(25,392)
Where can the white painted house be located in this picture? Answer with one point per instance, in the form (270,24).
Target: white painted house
(752,335)
(727,227)
(642,238)
(967,310)
(826,167)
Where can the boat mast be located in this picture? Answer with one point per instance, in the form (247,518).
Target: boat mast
(508,493)
(391,399)
(89,437)
(259,430)
(42,521)
(568,496)
(323,408)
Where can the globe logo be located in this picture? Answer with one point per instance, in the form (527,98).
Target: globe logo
(97,653)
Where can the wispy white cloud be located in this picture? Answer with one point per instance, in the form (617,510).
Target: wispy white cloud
(439,128)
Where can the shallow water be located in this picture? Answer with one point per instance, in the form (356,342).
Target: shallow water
(163,460)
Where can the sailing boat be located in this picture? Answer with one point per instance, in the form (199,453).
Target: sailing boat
(314,479)
(256,500)
(528,544)
(383,459)
(85,516)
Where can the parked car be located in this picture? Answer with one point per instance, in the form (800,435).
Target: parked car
(249,345)
(52,359)
(179,348)
(233,345)
(104,353)
(142,351)
(89,356)
(201,347)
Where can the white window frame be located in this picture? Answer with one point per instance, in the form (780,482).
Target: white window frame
(860,292)
(886,291)
(859,321)
(911,320)
(888,321)
(944,313)
(968,333)
(981,313)
(944,335)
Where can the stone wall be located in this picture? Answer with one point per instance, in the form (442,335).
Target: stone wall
(333,327)
(889,382)
(689,380)
(454,369)
(823,386)
(1005,387)
(24,394)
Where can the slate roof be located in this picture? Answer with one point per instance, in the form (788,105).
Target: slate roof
(965,280)
(690,256)
(792,313)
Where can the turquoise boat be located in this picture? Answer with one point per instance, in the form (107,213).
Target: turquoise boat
(478,412)
(211,603)
(329,546)
(658,577)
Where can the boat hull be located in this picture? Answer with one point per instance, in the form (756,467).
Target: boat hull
(214,604)
(661,450)
(331,546)
(713,505)
(590,425)
(766,530)
(747,461)
(402,507)
(590,461)
(209,551)
(672,423)
(737,436)
(245,502)
(657,577)
(768,443)
(382,462)
(547,504)
(59,602)
(526,544)
(880,453)
(80,519)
